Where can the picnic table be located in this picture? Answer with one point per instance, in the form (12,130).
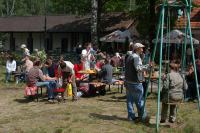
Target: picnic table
(87,72)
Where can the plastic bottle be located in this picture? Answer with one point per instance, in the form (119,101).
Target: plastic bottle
(69,89)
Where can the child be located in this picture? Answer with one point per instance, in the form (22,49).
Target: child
(10,67)
(172,92)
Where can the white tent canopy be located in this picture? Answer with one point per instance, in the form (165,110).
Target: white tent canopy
(176,37)
(117,36)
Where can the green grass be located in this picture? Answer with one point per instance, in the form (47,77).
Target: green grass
(104,114)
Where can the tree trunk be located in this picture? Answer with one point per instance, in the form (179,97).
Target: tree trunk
(12,8)
(152,22)
(94,22)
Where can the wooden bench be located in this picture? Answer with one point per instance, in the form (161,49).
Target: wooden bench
(99,86)
(118,83)
(33,91)
(37,93)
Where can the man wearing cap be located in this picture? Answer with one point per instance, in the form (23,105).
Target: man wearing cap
(25,50)
(133,80)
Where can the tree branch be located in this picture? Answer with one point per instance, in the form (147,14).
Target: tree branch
(13,7)
(103,2)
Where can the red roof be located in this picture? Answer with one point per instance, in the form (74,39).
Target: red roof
(194,17)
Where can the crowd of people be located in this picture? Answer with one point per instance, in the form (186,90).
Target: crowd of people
(58,74)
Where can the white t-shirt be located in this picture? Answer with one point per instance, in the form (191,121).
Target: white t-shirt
(86,55)
(11,66)
(69,67)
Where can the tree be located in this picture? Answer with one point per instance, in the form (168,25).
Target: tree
(94,22)
(78,7)
(7,7)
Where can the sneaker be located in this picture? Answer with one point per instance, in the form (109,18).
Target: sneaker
(50,101)
(59,98)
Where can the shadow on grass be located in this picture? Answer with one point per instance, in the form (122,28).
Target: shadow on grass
(110,100)
(24,100)
(111,93)
(107,117)
(114,99)
(32,99)
(114,117)
(120,97)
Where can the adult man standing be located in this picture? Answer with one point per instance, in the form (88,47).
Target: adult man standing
(68,76)
(133,81)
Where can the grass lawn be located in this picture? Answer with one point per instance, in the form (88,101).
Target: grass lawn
(104,114)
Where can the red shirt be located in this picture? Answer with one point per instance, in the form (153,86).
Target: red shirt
(77,68)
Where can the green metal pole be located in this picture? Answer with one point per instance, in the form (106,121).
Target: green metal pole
(185,39)
(193,58)
(169,44)
(152,58)
(184,48)
(160,71)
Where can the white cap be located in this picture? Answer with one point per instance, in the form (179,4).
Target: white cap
(23,46)
(131,43)
(138,45)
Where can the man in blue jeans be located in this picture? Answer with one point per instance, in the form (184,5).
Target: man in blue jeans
(35,77)
(133,80)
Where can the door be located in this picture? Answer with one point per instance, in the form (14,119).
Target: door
(30,43)
(64,45)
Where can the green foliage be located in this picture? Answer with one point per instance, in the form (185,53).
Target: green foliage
(41,55)
(142,15)
(4,57)
(115,6)
(37,7)
(69,6)
(21,7)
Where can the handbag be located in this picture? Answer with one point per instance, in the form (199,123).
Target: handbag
(30,91)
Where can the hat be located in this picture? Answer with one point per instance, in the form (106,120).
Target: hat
(138,45)
(117,54)
(131,43)
(23,46)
